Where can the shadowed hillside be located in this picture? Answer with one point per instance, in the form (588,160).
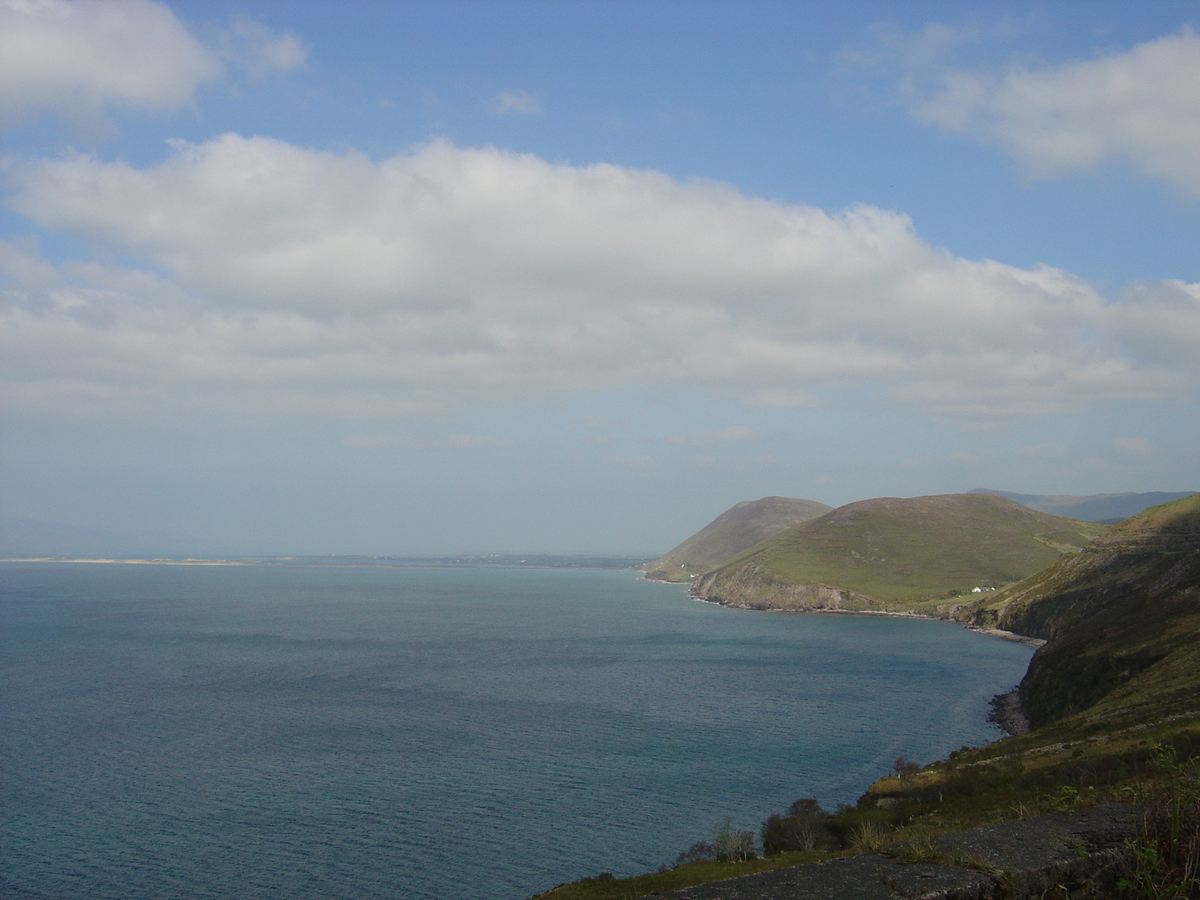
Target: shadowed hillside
(871,554)
(735,530)
(1122,618)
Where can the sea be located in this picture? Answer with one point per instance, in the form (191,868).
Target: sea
(422,732)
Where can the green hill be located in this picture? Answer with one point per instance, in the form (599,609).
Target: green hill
(1122,618)
(874,553)
(735,530)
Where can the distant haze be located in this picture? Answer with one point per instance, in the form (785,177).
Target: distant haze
(1100,508)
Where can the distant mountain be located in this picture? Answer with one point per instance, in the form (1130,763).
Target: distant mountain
(1110,508)
(735,530)
(871,554)
(1122,618)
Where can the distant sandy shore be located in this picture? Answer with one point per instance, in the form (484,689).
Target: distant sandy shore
(138,562)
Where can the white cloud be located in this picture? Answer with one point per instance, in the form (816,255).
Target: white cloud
(632,463)
(441,442)
(595,423)
(733,434)
(1134,446)
(78,59)
(1160,321)
(252,46)
(308,283)
(1140,106)
(913,51)
(518,102)
(1046,451)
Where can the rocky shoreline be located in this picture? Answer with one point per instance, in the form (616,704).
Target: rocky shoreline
(1007,713)
(1008,636)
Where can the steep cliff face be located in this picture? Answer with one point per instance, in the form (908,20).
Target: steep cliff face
(1122,618)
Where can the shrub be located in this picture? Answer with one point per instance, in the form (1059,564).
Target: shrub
(845,827)
(800,828)
(699,850)
(1165,861)
(730,843)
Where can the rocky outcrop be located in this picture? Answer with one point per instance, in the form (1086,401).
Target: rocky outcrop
(746,588)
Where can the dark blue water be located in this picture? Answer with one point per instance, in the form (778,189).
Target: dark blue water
(460,734)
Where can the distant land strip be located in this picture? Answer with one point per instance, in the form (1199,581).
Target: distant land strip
(541,561)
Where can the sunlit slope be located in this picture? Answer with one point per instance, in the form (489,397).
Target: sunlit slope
(876,553)
(735,530)
(1122,617)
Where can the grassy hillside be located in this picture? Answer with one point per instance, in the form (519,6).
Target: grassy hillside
(735,530)
(876,553)
(1122,618)
(1114,697)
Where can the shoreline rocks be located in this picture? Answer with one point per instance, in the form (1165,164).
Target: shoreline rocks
(1007,713)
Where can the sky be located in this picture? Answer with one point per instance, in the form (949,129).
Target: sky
(388,278)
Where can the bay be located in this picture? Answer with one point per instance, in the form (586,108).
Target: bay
(416,732)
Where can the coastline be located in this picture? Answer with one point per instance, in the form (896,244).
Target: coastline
(1006,712)
(686,584)
(895,614)
(1007,635)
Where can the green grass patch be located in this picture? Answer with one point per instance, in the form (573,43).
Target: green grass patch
(607,887)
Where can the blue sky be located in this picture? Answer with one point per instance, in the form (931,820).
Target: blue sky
(389,278)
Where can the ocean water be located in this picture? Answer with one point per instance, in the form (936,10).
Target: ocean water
(450,733)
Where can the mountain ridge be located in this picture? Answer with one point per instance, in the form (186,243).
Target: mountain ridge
(1100,508)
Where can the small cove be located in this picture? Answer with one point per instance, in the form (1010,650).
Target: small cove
(470,733)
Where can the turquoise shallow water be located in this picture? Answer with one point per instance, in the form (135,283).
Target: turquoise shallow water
(450,733)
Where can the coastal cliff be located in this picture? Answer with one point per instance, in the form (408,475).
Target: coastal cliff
(750,587)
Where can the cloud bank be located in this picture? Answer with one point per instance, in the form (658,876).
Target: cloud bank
(286,281)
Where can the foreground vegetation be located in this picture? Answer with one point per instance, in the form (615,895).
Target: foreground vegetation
(1012,780)
(1115,700)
